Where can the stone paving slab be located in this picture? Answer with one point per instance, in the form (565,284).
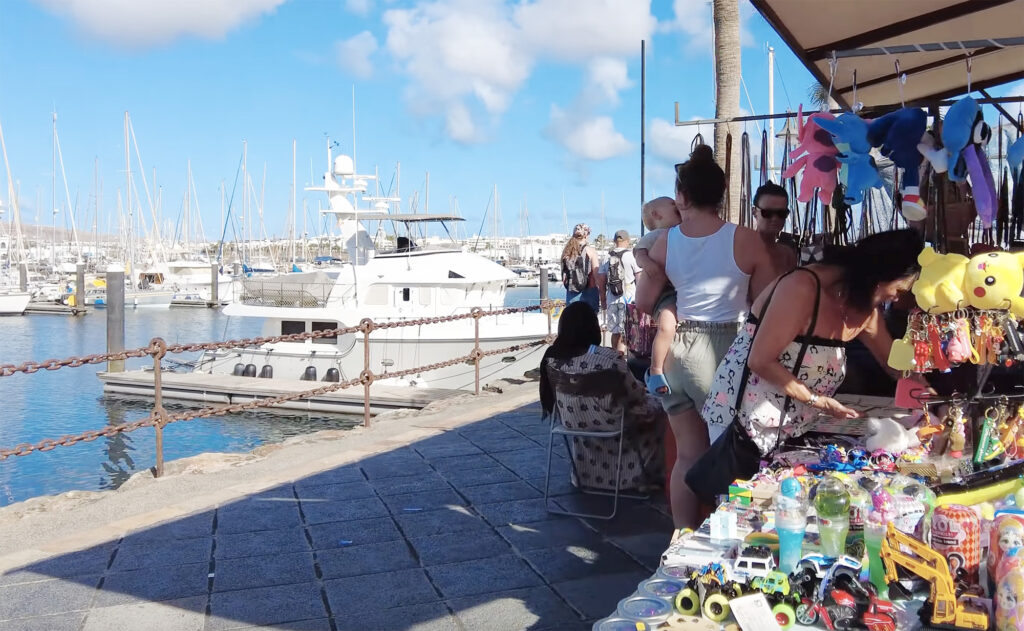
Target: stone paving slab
(447,533)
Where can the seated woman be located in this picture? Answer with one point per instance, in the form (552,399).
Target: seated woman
(588,385)
(804,320)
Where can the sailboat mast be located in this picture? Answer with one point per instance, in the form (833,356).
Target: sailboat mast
(128,200)
(292,223)
(245,200)
(53,196)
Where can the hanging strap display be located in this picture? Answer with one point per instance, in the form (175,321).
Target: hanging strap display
(728,177)
(765,148)
(745,217)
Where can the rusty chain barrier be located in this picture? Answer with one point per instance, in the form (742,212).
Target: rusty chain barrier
(158,349)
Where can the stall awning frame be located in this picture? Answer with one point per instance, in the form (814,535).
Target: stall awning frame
(931,39)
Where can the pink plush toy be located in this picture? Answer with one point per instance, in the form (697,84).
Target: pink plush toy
(817,158)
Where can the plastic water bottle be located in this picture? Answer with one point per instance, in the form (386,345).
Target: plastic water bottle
(832,502)
(790,523)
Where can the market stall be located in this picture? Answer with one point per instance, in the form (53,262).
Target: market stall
(916,520)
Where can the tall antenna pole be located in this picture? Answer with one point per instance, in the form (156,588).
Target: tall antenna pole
(643,111)
(771,111)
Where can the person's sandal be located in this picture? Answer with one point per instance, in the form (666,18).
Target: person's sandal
(657,385)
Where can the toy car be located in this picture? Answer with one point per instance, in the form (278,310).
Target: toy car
(708,591)
(816,573)
(753,562)
(775,582)
(841,610)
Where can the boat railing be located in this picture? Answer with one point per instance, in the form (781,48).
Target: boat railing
(280,293)
(158,350)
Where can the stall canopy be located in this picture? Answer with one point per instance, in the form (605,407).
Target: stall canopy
(931,40)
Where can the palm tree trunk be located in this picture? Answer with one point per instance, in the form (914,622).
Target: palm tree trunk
(726,14)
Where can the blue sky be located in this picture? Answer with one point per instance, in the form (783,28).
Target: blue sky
(538,98)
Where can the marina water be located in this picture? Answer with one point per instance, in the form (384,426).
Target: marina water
(50,404)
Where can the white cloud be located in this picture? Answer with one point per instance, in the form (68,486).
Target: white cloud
(670,142)
(359,7)
(569,30)
(606,77)
(693,19)
(139,23)
(460,126)
(460,52)
(353,54)
(592,138)
(1016,89)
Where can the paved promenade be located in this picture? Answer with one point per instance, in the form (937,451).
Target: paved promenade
(447,531)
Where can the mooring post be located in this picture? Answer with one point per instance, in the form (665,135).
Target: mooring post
(156,348)
(543,283)
(115,316)
(80,287)
(214,285)
(476,349)
(366,325)
(23,276)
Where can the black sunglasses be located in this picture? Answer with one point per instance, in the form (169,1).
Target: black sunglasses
(773,213)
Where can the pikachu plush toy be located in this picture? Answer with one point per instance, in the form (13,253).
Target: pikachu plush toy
(992,280)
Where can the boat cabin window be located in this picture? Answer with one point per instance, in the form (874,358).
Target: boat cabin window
(325,326)
(377,295)
(291,327)
(405,294)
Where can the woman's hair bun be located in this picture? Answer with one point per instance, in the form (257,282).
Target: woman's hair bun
(702,153)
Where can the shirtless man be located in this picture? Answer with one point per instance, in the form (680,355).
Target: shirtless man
(771,208)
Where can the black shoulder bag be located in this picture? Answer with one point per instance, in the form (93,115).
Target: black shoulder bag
(734,455)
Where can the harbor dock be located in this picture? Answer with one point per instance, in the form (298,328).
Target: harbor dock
(428,520)
(207,388)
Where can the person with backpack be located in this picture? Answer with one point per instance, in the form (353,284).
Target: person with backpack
(617,278)
(579,268)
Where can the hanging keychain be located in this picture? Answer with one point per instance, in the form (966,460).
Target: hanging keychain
(938,358)
(989,446)
(960,349)
(957,433)
(1010,435)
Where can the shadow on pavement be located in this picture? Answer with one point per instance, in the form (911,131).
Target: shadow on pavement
(447,533)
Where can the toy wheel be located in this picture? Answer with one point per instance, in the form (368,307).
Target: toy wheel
(805,614)
(784,615)
(737,590)
(716,607)
(688,602)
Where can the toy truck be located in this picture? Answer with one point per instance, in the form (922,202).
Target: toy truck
(942,609)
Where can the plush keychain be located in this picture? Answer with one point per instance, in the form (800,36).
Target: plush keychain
(850,135)
(898,134)
(817,158)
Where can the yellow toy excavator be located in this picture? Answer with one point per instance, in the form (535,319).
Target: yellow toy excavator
(942,610)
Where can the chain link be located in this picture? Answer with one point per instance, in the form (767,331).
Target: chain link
(366,326)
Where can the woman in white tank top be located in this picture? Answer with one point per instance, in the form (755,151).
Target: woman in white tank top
(715,267)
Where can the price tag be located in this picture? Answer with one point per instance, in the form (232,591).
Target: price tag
(753,613)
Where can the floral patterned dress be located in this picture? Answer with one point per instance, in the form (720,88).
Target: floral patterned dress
(760,413)
(607,389)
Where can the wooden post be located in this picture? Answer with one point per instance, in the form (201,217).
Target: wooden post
(115,316)
(543,283)
(476,350)
(158,408)
(80,287)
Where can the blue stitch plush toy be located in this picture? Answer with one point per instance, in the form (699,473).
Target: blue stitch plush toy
(897,134)
(857,170)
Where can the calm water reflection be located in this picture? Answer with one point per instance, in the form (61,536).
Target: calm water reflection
(49,404)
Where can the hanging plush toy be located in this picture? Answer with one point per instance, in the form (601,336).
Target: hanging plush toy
(964,136)
(1015,154)
(898,134)
(850,134)
(817,158)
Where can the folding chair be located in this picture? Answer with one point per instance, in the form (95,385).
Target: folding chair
(596,385)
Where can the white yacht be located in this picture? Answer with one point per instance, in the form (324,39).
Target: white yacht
(14,302)
(403,282)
